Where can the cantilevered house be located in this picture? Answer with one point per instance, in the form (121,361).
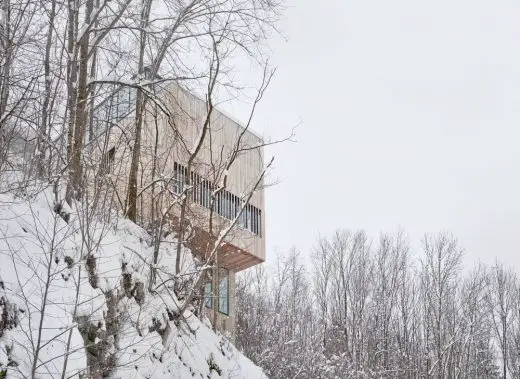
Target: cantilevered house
(220,181)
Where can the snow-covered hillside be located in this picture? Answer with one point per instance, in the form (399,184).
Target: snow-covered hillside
(76,295)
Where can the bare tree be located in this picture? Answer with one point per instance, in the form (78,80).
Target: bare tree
(322,276)
(501,298)
(377,315)
(439,272)
(390,268)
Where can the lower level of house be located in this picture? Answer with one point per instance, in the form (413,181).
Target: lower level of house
(219,300)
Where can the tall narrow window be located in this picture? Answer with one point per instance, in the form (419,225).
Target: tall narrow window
(236,209)
(107,163)
(257,214)
(253,220)
(248,216)
(178,178)
(259,231)
(190,175)
(229,204)
(111,159)
(219,203)
(223,292)
(208,298)
(223,203)
(233,206)
(242,218)
(225,198)
(222,199)
(205,194)
(201,193)
(195,188)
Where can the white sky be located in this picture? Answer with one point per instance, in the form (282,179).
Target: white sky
(410,117)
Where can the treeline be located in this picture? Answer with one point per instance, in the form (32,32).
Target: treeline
(363,309)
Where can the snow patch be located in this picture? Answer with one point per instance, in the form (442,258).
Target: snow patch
(92,289)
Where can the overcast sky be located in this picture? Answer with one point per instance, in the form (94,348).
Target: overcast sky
(410,116)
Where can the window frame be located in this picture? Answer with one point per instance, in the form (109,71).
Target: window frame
(223,276)
(179,178)
(208,295)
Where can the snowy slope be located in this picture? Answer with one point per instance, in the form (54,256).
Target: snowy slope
(85,283)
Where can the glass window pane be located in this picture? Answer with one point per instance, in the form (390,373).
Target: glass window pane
(236,207)
(219,203)
(205,194)
(259,223)
(208,300)
(230,204)
(226,204)
(254,220)
(178,178)
(228,209)
(223,303)
(176,187)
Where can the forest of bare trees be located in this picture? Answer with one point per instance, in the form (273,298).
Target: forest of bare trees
(363,308)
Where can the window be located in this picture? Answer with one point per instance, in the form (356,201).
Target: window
(107,163)
(178,178)
(217,203)
(193,183)
(241,218)
(223,203)
(226,204)
(125,99)
(111,159)
(259,230)
(248,216)
(253,219)
(208,296)
(236,207)
(223,292)
(205,194)
(231,206)
(118,104)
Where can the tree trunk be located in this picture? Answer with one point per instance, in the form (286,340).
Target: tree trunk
(76,167)
(71,87)
(44,128)
(131,209)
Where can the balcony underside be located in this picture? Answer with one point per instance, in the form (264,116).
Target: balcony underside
(228,255)
(232,258)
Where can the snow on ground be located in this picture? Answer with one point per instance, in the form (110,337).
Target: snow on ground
(60,279)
